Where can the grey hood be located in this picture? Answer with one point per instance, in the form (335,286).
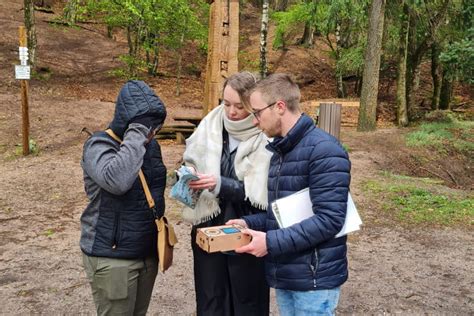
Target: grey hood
(135,98)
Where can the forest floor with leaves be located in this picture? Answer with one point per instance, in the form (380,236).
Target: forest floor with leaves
(395,268)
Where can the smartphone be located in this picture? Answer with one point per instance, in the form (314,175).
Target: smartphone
(230,230)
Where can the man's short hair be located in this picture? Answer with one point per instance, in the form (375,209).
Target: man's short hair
(278,87)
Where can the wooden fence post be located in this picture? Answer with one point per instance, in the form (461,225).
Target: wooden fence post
(330,118)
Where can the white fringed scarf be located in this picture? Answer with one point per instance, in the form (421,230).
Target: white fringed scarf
(252,160)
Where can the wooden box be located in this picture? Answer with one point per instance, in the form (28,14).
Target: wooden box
(221,238)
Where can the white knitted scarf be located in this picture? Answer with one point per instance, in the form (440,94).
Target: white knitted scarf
(252,160)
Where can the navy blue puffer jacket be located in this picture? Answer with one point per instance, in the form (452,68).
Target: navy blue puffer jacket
(306,256)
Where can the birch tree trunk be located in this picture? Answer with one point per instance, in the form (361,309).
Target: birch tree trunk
(263,40)
(30,31)
(370,84)
(402,110)
(341,92)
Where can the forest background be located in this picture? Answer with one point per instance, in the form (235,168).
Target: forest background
(407,63)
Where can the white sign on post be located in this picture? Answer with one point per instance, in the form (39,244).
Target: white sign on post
(22,72)
(23,51)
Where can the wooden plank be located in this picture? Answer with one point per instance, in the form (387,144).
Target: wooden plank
(343,102)
(195,120)
(179,134)
(184,129)
(178,126)
(175,130)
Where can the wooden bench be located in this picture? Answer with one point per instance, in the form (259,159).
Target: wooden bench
(178,132)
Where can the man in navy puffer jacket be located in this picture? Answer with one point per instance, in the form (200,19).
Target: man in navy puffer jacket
(305,263)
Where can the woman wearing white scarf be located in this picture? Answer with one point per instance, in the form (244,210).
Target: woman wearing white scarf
(229,156)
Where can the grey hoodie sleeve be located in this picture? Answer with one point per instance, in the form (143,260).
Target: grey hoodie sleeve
(115,168)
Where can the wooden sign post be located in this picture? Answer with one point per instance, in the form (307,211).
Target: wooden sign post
(223,48)
(22,72)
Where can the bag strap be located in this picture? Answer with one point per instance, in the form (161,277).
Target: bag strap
(149,198)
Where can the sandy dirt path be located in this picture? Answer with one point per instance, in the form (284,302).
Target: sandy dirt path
(392,270)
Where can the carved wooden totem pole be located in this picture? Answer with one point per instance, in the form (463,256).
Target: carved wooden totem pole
(223,49)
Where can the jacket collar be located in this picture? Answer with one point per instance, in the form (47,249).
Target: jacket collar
(285,144)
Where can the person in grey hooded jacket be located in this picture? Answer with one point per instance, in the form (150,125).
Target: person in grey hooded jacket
(118,232)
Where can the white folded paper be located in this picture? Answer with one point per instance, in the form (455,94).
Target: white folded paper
(294,208)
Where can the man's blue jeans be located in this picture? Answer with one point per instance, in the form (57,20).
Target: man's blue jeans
(320,302)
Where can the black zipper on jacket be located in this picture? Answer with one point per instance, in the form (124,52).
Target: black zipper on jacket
(314,268)
(115,231)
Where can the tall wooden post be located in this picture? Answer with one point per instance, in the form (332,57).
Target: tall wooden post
(24,100)
(223,48)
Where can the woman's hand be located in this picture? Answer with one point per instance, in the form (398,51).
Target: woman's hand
(205,181)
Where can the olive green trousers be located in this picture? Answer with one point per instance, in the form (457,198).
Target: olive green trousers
(121,286)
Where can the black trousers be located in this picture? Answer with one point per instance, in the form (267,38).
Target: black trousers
(229,284)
